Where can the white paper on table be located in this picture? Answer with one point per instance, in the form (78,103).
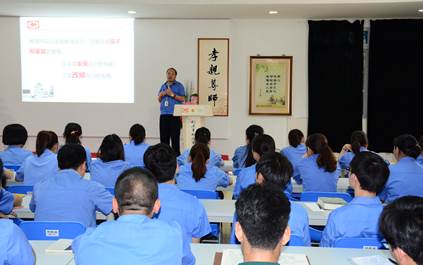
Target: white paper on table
(373,260)
(60,246)
(312,206)
(234,257)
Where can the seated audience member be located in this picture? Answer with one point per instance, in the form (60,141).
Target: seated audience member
(135,149)
(318,171)
(198,174)
(66,196)
(401,224)
(202,136)
(7,199)
(262,226)
(14,137)
(14,246)
(176,205)
(134,238)
(368,176)
(358,143)
(243,156)
(296,149)
(275,169)
(406,175)
(43,164)
(110,161)
(73,135)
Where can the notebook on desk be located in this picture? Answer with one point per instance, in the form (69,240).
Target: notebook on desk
(234,257)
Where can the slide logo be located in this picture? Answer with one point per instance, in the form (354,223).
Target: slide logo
(33,24)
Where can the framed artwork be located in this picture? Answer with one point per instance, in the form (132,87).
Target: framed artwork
(270,85)
(213,74)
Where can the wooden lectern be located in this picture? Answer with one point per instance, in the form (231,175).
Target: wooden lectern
(193,117)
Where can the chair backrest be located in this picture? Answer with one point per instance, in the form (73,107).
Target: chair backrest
(35,230)
(20,189)
(315,234)
(203,194)
(111,190)
(359,242)
(12,167)
(296,241)
(312,196)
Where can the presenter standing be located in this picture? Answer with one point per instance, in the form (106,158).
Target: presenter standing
(171,93)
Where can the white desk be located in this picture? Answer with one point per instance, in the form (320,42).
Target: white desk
(222,211)
(43,258)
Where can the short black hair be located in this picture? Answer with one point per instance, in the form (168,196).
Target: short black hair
(160,159)
(172,69)
(294,137)
(408,144)
(263,143)
(401,224)
(111,149)
(263,213)
(136,189)
(275,169)
(71,156)
(14,134)
(137,133)
(202,135)
(371,170)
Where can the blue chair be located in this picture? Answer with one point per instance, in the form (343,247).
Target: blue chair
(20,189)
(207,195)
(12,167)
(315,234)
(111,190)
(359,242)
(312,196)
(35,230)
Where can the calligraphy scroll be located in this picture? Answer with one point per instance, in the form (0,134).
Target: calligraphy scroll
(213,74)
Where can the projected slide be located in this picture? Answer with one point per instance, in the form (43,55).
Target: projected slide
(87,60)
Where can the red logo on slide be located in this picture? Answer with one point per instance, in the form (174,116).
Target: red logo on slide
(33,24)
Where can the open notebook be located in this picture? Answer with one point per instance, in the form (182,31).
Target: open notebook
(234,257)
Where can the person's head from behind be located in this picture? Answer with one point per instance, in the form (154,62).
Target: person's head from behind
(251,132)
(72,133)
(295,137)
(406,145)
(137,133)
(262,144)
(111,149)
(318,144)
(274,168)
(46,140)
(199,155)
(202,136)
(72,156)
(358,140)
(136,192)
(369,172)
(160,159)
(171,74)
(401,224)
(262,227)
(14,134)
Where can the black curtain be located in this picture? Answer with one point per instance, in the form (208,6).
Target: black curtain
(335,79)
(395,81)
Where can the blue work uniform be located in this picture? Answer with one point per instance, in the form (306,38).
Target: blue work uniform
(214,160)
(167,105)
(37,168)
(107,173)
(314,178)
(14,246)
(359,218)
(240,155)
(294,154)
(14,155)
(405,178)
(188,212)
(299,224)
(134,153)
(131,239)
(6,201)
(214,177)
(66,196)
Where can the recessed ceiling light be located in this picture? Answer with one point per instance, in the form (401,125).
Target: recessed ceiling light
(132,12)
(273,12)
(421,10)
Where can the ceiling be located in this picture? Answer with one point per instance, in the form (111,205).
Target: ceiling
(215,9)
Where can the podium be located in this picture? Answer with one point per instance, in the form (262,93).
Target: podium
(193,117)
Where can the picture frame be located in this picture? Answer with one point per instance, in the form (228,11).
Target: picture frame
(213,74)
(270,85)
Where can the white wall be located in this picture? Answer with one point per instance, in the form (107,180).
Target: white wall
(158,45)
